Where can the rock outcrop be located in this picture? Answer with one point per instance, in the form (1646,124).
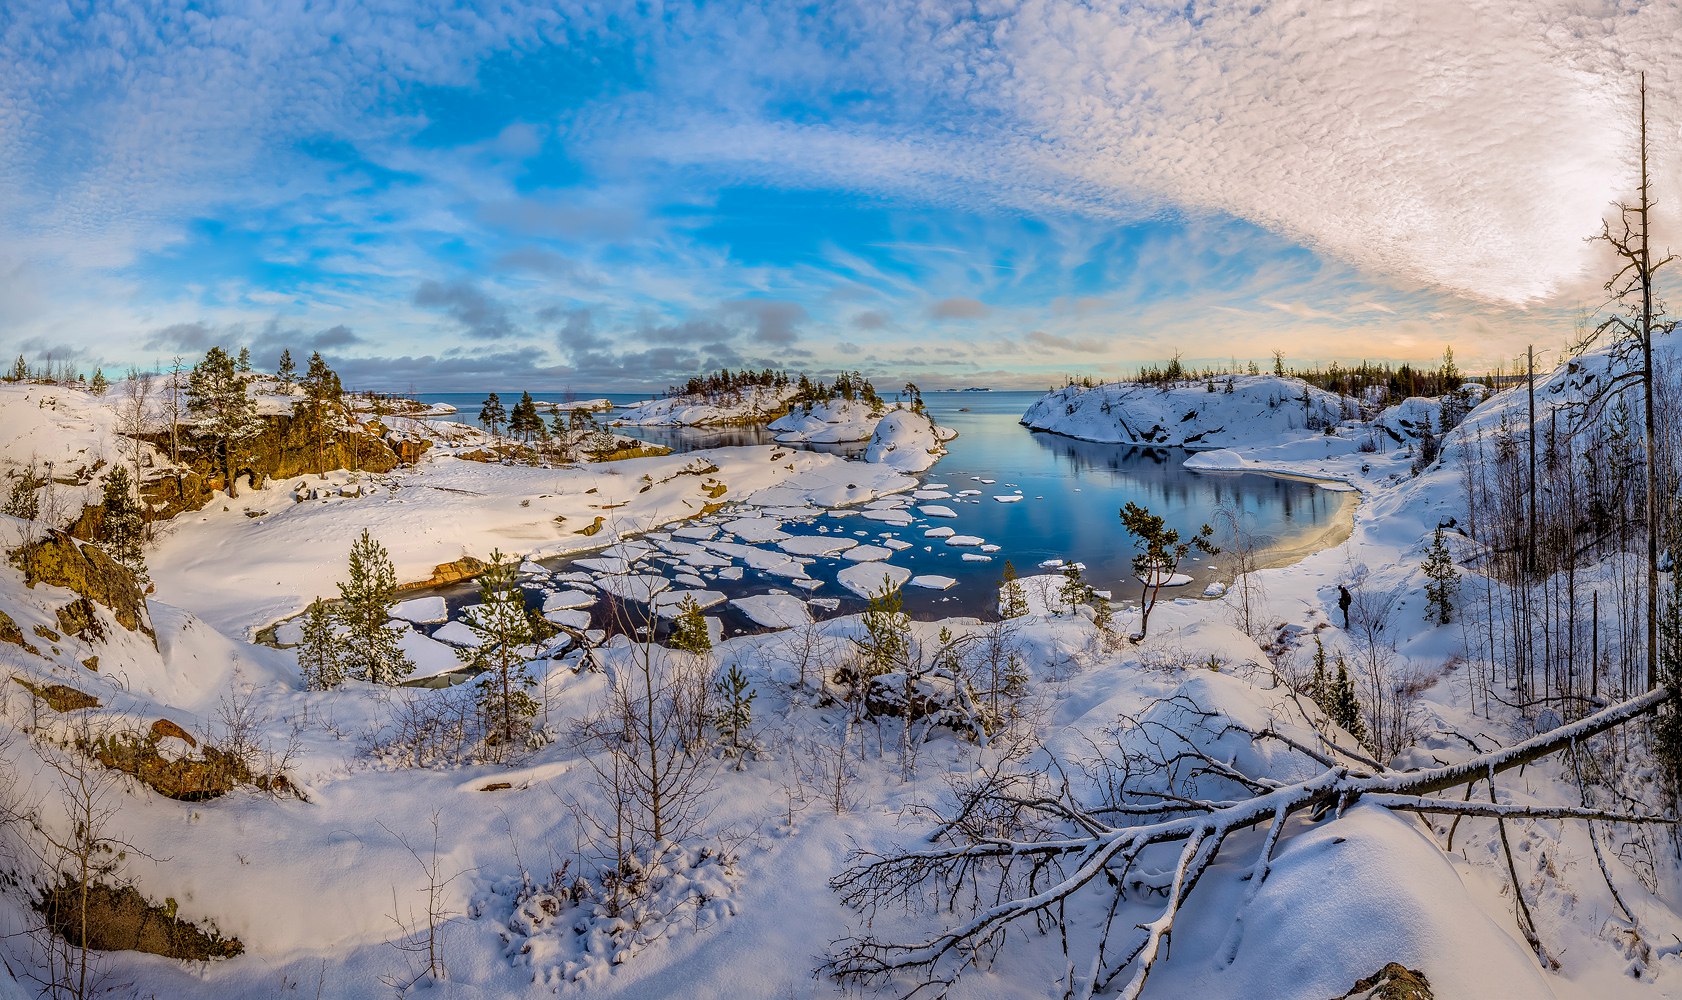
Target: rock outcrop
(60,561)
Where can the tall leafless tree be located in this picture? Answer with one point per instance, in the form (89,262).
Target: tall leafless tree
(1641,318)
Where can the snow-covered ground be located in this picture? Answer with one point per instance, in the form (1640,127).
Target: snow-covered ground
(317,887)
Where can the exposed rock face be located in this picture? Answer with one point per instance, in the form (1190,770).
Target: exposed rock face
(283,450)
(61,561)
(450,572)
(1393,982)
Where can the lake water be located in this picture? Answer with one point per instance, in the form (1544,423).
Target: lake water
(1072,494)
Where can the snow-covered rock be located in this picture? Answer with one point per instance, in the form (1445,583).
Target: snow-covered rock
(748,405)
(908,442)
(1187,414)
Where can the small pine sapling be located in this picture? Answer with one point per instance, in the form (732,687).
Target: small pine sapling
(1075,591)
(1013,600)
(689,629)
(319,659)
(1444,581)
(504,627)
(734,717)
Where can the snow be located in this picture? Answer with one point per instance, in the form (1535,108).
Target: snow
(941,532)
(308,885)
(568,599)
(457,633)
(752,403)
(773,610)
(867,553)
(868,579)
(431,657)
(816,545)
(909,442)
(837,421)
(962,541)
(937,510)
(421,610)
(931,581)
(1187,414)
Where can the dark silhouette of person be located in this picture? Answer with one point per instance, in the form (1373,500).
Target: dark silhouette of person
(1343,601)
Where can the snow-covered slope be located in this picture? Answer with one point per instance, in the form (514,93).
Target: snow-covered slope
(1187,414)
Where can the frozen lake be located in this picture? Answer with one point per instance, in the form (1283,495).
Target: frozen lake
(1061,501)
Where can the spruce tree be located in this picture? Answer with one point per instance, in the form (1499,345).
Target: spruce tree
(217,398)
(1319,685)
(1345,707)
(689,629)
(370,643)
(244,360)
(99,384)
(122,528)
(320,659)
(20,370)
(504,627)
(1444,581)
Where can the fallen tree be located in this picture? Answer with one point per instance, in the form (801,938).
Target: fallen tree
(1019,850)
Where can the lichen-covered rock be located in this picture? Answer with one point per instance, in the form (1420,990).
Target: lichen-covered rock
(60,561)
(9,632)
(79,619)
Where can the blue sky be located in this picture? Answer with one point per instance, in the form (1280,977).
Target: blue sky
(602,196)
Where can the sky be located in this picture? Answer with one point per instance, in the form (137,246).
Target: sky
(602,196)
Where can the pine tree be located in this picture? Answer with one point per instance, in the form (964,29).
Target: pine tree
(20,370)
(122,527)
(244,360)
(216,396)
(99,384)
(504,627)
(689,629)
(1444,581)
(1161,552)
(320,407)
(1075,591)
(287,372)
(370,643)
(492,414)
(1013,600)
(735,715)
(320,659)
